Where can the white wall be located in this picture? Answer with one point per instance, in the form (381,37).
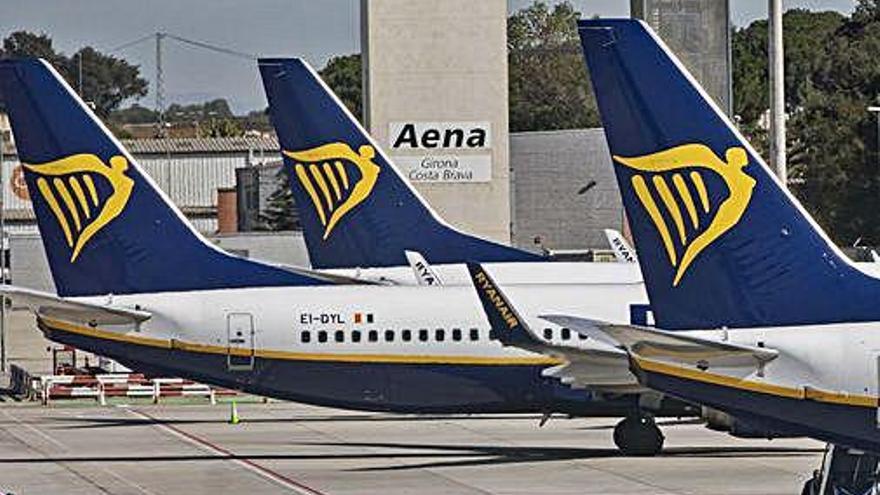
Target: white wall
(443,61)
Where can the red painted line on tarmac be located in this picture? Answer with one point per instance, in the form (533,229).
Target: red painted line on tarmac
(286,481)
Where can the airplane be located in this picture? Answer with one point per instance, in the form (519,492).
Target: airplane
(363,228)
(623,252)
(775,330)
(136,283)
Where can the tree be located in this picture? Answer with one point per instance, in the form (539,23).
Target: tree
(831,77)
(135,114)
(213,109)
(26,44)
(806,35)
(280,212)
(548,83)
(343,75)
(106,80)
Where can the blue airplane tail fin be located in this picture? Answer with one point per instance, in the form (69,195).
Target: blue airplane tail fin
(356,209)
(105,226)
(721,242)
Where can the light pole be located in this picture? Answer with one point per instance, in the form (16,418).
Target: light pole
(777,92)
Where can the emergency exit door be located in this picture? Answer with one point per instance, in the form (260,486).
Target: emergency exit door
(240,341)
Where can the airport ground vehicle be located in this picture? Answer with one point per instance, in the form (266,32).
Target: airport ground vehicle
(844,471)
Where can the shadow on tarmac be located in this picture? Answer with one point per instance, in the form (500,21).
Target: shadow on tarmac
(107,422)
(436,455)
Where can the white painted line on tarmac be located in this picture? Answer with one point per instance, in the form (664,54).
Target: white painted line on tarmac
(264,472)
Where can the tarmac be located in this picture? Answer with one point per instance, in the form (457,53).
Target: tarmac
(279,447)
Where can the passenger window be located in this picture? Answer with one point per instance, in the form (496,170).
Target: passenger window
(475,334)
(339,337)
(356,336)
(566,334)
(582,336)
(305,337)
(548,334)
(406,335)
(423,335)
(456,334)
(439,335)
(322,336)
(389,335)
(373,336)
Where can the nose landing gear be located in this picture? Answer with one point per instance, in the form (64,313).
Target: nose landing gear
(638,435)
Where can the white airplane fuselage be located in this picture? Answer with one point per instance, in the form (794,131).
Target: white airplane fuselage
(407,349)
(824,382)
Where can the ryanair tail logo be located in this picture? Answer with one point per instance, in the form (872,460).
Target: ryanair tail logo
(324,173)
(691,240)
(69,188)
(496,300)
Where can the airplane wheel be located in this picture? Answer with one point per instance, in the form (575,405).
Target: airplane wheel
(638,436)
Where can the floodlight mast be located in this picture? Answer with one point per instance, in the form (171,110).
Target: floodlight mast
(777,91)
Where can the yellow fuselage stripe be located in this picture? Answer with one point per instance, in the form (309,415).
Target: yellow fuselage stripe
(753,386)
(58,325)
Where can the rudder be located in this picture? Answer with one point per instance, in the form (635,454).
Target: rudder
(356,209)
(105,226)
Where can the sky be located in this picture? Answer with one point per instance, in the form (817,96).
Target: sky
(313,29)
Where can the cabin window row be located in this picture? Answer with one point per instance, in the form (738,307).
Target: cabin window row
(405,335)
(564,334)
(422,335)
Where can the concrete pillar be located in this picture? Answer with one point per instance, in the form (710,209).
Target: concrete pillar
(441,66)
(698,31)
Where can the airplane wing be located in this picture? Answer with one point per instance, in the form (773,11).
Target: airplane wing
(50,305)
(669,346)
(597,363)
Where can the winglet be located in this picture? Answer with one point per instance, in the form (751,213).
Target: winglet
(506,324)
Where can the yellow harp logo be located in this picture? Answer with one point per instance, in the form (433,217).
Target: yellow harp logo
(68,187)
(673,163)
(324,174)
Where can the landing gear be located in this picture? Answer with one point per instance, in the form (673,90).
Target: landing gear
(638,435)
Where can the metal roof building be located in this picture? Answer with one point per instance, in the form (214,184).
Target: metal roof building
(190,171)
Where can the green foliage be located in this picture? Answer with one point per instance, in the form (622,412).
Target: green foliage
(214,109)
(343,75)
(106,80)
(135,114)
(548,82)
(832,76)
(280,212)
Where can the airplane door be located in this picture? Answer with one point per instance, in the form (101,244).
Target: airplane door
(240,341)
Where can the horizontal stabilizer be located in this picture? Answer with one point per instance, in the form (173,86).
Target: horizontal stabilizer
(50,305)
(668,346)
